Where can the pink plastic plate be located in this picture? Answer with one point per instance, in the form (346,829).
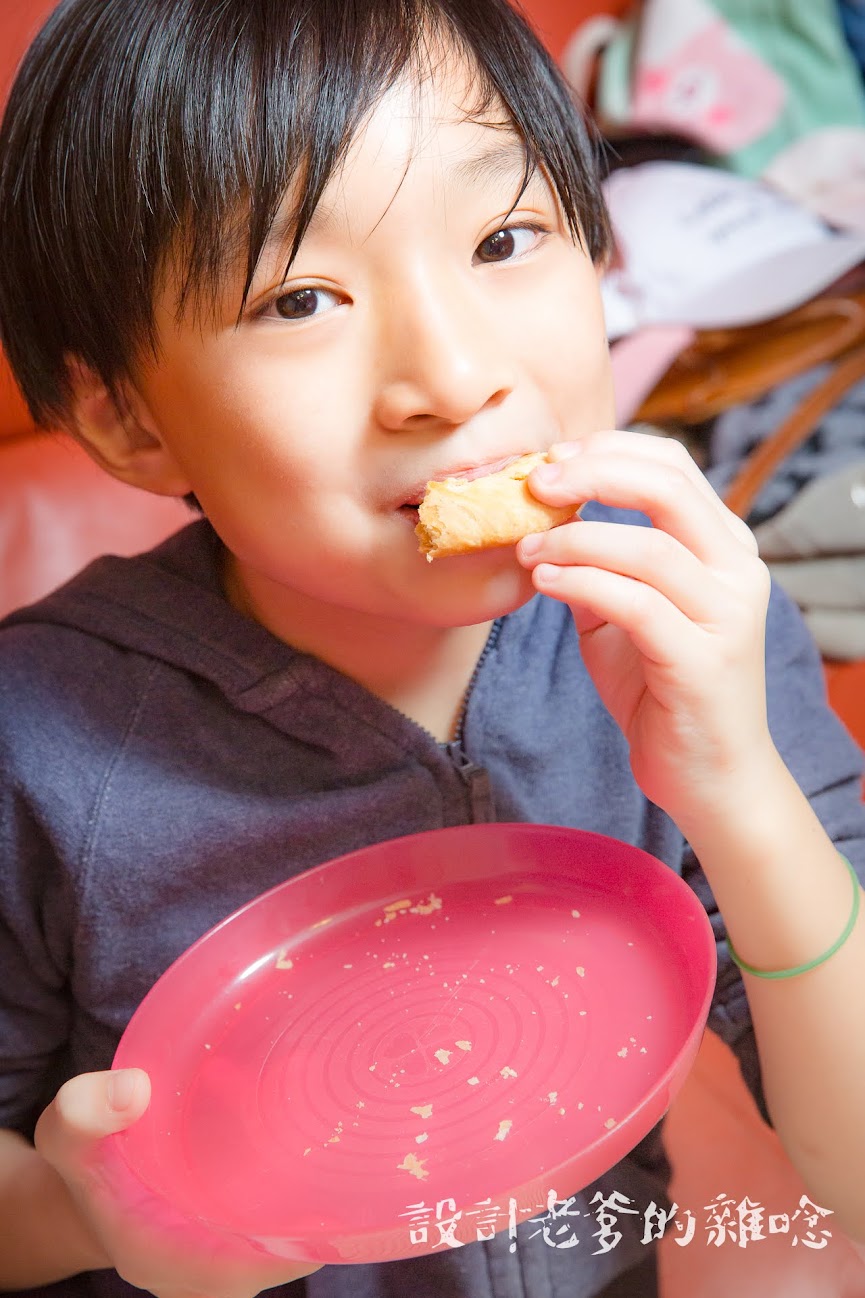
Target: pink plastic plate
(481,1014)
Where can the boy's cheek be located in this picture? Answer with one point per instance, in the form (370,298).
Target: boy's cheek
(582,373)
(588,403)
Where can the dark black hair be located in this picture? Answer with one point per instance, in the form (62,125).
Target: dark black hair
(141,128)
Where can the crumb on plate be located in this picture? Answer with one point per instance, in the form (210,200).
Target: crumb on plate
(427,907)
(411,1163)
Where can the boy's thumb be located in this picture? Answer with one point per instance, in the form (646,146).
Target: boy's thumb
(89,1107)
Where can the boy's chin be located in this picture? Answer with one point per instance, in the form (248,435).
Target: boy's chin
(478,588)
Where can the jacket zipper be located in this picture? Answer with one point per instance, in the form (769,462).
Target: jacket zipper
(492,641)
(474,777)
(477,781)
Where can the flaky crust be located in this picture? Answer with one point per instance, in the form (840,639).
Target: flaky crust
(457,516)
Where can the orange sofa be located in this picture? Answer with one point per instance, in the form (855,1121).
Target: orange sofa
(57,511)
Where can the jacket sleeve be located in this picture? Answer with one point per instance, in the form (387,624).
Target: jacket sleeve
(827,765)
(34,1002)
(42,785)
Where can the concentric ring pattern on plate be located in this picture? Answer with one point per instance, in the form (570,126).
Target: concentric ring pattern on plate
(462,1033)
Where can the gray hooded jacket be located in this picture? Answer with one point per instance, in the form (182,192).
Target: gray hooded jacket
(163,760)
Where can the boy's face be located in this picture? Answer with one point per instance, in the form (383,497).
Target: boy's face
(410,340)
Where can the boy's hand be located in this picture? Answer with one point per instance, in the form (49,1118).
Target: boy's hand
(671,619)
(171,1263)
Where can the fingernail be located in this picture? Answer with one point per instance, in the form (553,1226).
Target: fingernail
(530,545)
(548,473)
(121,1089)
(547,574)
(564,450)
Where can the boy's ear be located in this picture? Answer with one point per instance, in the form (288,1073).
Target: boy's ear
(121,436)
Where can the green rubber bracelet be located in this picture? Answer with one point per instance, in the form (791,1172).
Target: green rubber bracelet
(821,959)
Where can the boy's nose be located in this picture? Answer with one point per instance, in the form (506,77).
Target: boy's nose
(446,359)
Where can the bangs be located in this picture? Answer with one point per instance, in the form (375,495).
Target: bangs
(143,130)
(317,84)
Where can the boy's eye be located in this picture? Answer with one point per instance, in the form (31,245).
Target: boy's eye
(302,303)
(508,243)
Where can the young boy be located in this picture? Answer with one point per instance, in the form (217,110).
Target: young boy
(294,260)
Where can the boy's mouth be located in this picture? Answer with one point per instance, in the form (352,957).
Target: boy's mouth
(412,502)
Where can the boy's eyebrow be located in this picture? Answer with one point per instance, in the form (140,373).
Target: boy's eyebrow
(502,162)
(282,231)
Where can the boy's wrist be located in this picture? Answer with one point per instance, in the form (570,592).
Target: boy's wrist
(777,877)
(742,812)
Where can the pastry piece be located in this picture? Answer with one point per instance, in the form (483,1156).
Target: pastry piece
(459,515)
